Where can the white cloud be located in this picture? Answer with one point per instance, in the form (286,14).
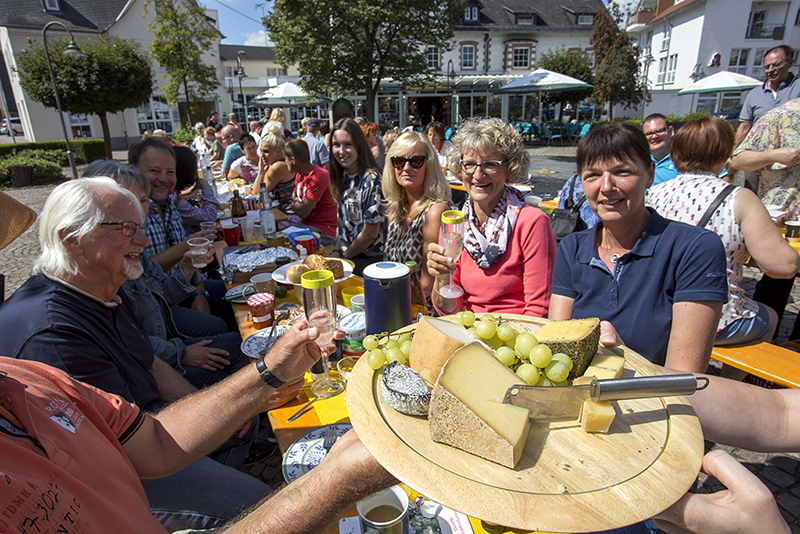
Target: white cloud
(257,39)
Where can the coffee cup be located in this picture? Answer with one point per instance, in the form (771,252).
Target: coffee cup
(385,512)
(793,231)
(198,248)
(230,233)
(262,283)
(308,241)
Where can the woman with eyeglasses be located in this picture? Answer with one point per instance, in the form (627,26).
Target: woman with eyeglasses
(509,246)
(416,194)
(356,188)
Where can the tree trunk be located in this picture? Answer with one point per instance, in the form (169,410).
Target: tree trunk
(106,136)
(369,105)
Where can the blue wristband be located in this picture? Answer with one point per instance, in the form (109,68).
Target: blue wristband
(201,293)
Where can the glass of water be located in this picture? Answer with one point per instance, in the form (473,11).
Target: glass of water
(319,302)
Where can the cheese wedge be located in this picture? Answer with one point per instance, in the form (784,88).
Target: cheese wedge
(577,338)
(600,373)
(597,416)
(616,364)
(467,410)
(435,340)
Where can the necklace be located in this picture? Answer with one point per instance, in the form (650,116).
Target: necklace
(612,257)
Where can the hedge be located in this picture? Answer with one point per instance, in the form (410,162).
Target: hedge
(84,150)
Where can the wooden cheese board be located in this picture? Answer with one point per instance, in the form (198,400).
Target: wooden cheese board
(566,481)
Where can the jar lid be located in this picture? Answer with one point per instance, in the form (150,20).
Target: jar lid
(353,323)
(386,270)
(316,279)
(260,299)
(280,261)
(452,217)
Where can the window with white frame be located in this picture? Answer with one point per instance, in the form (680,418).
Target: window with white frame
(155,114)
(433,57)
(467,57)
(522,58)
(467,14)
(662,70)
(672,66)
(471,13)
(80,125)
(474,13)
(758,64)
(590,58)
(585,20)
(52,5)
(525,20)
(228,72)
(738,61)
(648,43)
(667,37)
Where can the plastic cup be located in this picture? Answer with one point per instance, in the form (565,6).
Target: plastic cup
(349,292)
(208,226)
(230,233)
(247,229)
(198,247)
(357,303)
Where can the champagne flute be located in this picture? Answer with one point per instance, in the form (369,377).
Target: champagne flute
(453,243)
(319,302)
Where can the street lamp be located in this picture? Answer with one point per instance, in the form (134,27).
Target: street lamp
(240,74)
(73,51)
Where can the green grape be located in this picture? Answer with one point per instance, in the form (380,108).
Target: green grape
(473,331)
(505,332)
(376,359)
(506,355)
(512,341)
(493,342)
(563,358)
(561,384)
(394,354)
(406,347)
(528,373)
(486,329)
(403,338)
(489,317)
(370,342)
(544,382)
(456,318)
(392,344)
(524,344)
(556,371)
(540,356)
(467,318)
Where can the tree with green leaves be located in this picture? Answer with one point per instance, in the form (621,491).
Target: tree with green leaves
(617,79)
(113,75)
(182,35)
(572,63)
(346,47)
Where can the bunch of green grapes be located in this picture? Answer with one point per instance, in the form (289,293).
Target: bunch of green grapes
(384,349)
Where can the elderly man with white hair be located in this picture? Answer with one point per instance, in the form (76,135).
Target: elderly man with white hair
(70,314)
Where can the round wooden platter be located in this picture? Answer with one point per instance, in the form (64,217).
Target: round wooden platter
(566,481)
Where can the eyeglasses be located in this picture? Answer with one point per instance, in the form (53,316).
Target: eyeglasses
(488,167)
(662,131)
(128,228)
(415,161)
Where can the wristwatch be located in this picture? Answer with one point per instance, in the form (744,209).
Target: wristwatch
(201,293)
(266,375)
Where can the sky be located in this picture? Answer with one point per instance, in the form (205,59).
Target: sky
(240,20)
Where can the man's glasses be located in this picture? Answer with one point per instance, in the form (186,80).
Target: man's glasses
(128,228)
(662,131)
(488,167)
(415,161)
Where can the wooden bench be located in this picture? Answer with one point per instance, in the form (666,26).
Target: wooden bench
(763,360)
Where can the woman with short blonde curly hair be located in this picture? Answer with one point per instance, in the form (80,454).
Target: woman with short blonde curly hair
(509,246)
(416,194)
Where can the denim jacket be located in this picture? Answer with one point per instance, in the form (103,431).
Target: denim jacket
(151,295)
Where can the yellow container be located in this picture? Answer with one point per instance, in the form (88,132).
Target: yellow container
(349,292)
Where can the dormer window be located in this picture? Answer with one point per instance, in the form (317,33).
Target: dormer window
(471,14)
(52,6)
(585,20)
(525,20)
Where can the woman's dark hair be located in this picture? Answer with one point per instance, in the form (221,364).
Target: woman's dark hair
(246,137)
(366,161)
(185,167)
(613,142)
(702,145)
(437,128)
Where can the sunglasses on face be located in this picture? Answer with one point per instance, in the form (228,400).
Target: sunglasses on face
(415,161)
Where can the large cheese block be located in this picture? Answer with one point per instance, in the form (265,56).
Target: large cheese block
(577,338)
(467,410)
(435,340)
(615,364)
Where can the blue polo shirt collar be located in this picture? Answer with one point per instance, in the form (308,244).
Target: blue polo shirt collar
(660,161)
(785,83)
(644,247)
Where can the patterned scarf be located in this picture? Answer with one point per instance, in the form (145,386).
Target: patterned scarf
(486,245)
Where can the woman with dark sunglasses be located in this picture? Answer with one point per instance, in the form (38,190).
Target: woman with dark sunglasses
(356,188)
(416,194)
(509,246)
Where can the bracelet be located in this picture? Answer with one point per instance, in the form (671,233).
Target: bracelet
(201,293)
(266,375)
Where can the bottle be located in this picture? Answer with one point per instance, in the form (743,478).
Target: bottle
(418,305)
(237,206)
(265,214)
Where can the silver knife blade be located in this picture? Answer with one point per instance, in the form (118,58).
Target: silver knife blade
(564,403)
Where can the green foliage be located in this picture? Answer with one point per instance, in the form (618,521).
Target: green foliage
(617,78)
(672,118)
(699,114)
(45,170)
(83,150)
(572,63)
(346,47)
(182,36)
(184,135)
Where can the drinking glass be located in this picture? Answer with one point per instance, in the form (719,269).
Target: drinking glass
(319,302)
(453,243)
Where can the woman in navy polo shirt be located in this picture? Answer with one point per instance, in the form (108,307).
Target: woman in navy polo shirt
(661,283)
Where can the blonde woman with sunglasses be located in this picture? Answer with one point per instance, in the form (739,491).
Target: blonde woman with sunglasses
(417,194)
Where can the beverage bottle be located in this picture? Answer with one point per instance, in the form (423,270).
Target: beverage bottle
(418,305)
(237,205)
(265,214)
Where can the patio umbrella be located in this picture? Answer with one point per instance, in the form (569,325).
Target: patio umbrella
(721,81)
(540,81)
(285,93)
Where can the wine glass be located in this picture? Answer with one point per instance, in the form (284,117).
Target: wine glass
(319,302)
(453,243)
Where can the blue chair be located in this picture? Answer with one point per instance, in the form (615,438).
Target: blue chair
(584,130)
(549,136)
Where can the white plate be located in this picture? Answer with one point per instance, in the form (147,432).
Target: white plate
(238,291)
(307,452)
(279,274)
(257,343)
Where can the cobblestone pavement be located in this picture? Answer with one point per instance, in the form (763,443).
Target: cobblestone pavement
(778,471)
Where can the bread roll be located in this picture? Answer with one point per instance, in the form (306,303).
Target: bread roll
(294,272)
(320,263)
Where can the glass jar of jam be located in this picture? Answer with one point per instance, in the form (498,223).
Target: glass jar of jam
(262,309)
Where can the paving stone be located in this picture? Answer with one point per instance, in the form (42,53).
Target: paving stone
(789,503)
(777,477)
(751,457)
(785,463)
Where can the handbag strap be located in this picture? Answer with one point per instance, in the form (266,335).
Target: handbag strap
(569,203)
(714,205)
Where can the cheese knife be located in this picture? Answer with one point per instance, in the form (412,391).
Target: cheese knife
(564,403)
